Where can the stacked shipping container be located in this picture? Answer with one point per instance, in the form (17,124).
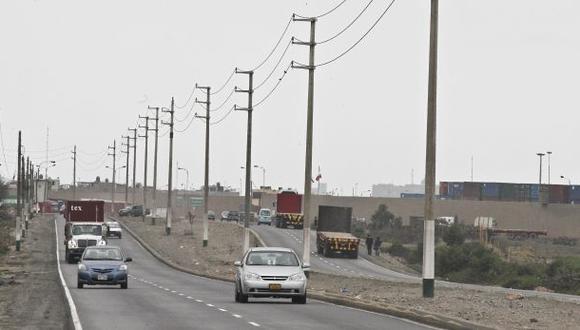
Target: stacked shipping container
(510,192)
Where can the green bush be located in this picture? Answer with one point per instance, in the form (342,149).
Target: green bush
(563,275)
(398,250)
(454,235)
(471,263)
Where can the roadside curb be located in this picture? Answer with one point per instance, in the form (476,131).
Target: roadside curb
(413,315)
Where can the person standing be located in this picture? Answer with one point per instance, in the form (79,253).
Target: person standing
(377,246)
(369,243)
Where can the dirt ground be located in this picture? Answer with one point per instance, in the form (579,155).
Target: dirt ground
(31,296)
(496,310)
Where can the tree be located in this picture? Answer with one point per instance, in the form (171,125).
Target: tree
(383,219)
(454,235)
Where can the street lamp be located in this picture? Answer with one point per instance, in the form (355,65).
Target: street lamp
(565,178)
(114,190)
(263,174)
(45,165)
(540,197)
(186,176)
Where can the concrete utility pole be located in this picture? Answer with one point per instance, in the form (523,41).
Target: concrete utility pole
(248,194)
(18,187)
(134,138)
(146,136)
(541,197)
(169,178)
(206,178)
(128,152)
(429,221)
(309,128)
(22,193)
(27,192)
(114,190)
(155,160)
(549,167)
(74,152)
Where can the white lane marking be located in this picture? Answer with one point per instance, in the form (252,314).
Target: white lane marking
(209,305)
(181,294)
(167,290)
(188,297)
(73,308)
(237,316)
(254,324)
(223,310)
(199,300)
(173,291)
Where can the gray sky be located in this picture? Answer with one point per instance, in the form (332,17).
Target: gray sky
(508,86)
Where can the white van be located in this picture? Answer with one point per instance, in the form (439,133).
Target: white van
(265,217)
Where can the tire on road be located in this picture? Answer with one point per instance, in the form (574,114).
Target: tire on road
(125,285)
(79,284)
(299,299)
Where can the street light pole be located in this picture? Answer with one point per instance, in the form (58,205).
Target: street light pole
(114,190)
(541,196)
(263,174)
(549,167)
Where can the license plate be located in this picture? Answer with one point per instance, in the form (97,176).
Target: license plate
(101,277)
(275,286)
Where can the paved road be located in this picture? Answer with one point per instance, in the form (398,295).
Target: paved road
(162,298)
(292,238)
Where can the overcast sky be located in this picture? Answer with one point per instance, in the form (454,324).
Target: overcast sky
(508,87)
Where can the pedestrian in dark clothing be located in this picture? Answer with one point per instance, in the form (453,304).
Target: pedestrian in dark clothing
(377,246)
(369,243)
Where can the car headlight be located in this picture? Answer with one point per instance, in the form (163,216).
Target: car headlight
(72,244)
(296,277)
(82,267)
(102,242)
(252,276)
(123,267)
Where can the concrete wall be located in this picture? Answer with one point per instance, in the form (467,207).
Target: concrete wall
(557,219)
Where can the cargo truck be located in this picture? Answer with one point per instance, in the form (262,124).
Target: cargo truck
(289,210)
(84,227)
(334,232)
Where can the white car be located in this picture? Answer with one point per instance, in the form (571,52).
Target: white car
(271,272)
(114,229)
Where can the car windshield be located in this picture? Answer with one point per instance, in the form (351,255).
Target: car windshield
(113,225)
(265,213)
(103,254)
(87,230)
(271,258)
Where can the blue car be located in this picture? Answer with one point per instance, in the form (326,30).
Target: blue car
(104,265)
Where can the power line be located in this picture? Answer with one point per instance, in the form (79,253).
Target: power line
(275,87)
(322,15)
(188,113)
(222,118)
(4,151)
(275,46)
(348,26)
(186,128)
(224,102)
(224,84)
(275,67)
(188,99)
(361,38)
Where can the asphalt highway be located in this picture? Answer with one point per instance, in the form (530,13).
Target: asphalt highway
(160,297)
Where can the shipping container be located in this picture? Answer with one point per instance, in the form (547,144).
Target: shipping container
(472,191)
(507,192)
(455,190)
(559,194)
(289,202)
(574,194)
(534,193)
(523,192)
(84,211)
(412,196)
(490,191)
(443,189)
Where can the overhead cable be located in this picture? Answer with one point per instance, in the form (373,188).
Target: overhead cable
(224,102)
(275,67)
(322,15)
(275,46)
(348,26)
(224,85)
(361,38)
(273,89)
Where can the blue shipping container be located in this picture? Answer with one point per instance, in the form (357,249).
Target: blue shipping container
(455,190)
(535,192)
(490,190)
(575,194)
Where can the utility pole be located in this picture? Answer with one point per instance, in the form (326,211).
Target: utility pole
(23,194)
(309,127)
(114,190)
(429,221)
(26,173)
(169,178)
(128,152)
(74,173)
(134,138)
(18,188)
(206,177)
(155,160)
(248,197)
(549,153)
(146,136)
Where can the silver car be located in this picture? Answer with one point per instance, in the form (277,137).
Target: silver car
(271,272)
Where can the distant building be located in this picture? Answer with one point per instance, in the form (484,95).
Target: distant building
(395,191)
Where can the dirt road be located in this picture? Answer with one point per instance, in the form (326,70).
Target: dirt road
(31,296)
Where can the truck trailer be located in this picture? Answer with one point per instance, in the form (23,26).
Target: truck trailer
(84,227)
(289,210)
(334,232)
